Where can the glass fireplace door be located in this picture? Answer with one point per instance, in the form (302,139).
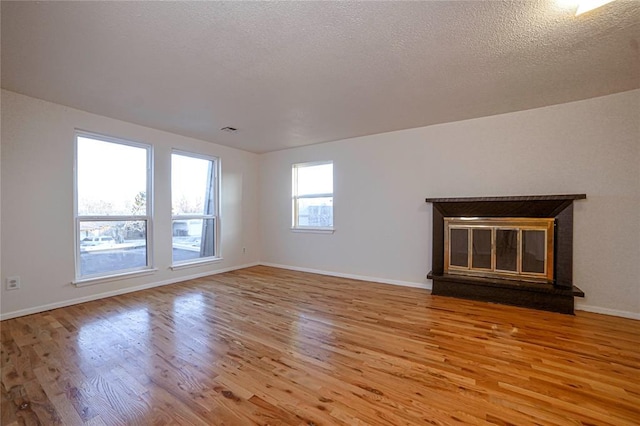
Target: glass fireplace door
(500,247)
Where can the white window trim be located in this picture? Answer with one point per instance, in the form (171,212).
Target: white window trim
(114,277)
(313,230)
(294,198)
(195,263)
(82,280)
(216,216)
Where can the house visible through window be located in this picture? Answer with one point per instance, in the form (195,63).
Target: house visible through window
(112,206)
(194,201)
(313,195)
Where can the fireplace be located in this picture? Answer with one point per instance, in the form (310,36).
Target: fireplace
(510,250)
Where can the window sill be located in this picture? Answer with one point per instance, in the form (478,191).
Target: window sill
(100,280)
(314,230)
(195,263)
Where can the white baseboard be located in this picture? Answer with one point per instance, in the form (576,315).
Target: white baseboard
(426,286)
(607,311)
(50,306)
(14,314)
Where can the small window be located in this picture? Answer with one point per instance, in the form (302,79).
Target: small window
(194,202)
(313,196)
(112,206)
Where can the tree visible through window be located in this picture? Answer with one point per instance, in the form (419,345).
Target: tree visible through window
(313,195)
(112,213)
(194,207)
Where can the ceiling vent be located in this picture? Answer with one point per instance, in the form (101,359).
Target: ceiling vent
(229,129)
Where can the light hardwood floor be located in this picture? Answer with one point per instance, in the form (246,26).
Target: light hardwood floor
(275,347)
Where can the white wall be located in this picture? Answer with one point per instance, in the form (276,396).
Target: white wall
(383,225)
(37,204)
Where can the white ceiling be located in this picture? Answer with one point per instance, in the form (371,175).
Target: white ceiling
(288,74)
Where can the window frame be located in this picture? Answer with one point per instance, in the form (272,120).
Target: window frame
(216,215)
(295,226)
(80,279)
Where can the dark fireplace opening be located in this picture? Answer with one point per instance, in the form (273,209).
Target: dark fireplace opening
(512,250)
(519,248)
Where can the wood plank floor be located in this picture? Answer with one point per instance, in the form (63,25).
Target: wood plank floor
(275,347)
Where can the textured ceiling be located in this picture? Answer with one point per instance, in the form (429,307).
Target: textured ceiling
(288,74)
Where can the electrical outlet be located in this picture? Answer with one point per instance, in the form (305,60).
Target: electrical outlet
(12,283)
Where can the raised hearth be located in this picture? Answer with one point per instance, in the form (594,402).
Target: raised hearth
(512,250)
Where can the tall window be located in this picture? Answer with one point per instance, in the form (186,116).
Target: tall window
(194,202)
(313,195)
(112,206)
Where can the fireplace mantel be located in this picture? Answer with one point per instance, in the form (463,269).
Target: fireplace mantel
(556,296)
(512,206)
(563,197)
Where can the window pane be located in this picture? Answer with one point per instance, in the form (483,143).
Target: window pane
(481,257)
(193,239)
(315,179)
(112,246)
(533,251)
(315,212)
(191,185)
(112,178)
(459,247)
(507,250)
